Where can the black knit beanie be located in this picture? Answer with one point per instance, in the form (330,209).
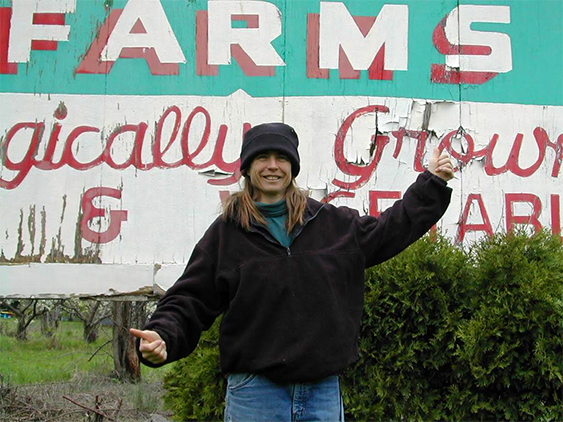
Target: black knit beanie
(270,136)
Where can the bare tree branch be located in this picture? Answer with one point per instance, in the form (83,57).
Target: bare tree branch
(11,308)
(102,318)
(98,349)
(99,412)
(35,314)
(71,307)
(28,305)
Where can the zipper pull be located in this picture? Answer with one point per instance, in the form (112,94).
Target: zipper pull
(288,252)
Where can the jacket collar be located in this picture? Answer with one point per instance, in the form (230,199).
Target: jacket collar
(312,210)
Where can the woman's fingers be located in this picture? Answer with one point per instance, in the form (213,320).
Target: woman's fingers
(160,352)
(445,159)
(146,335)
(445,163)
(147,347)
(441,165)
(152,347)
(154,352)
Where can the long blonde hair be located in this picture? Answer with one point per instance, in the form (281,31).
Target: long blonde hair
(241,206)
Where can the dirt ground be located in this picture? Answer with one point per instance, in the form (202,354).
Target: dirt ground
(86,399)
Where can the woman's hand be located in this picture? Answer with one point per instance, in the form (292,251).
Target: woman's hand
(441,165)
(152,347)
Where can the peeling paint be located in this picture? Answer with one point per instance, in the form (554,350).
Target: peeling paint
(426,116)
(63,209)
(61,111)
(43,232)
(57,252)
(214,173)
(119,295)
(31,227)
(19,256)
(157,267)
(20,246)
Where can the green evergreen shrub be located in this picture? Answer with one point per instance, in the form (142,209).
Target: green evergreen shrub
(195,387)
(513,343)
(413,306)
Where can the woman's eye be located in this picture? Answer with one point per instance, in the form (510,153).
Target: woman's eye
(283,158)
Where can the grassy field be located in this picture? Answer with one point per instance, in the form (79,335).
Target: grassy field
(42,377)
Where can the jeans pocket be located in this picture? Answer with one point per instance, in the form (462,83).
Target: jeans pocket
(237,381)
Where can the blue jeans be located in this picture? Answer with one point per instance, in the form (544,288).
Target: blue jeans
(253,397)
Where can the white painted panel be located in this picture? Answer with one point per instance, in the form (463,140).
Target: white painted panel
(64,280)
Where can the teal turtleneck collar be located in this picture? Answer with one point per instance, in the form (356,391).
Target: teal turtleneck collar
(276,216)
(276,209)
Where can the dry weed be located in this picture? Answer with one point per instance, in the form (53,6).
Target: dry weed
(83,399)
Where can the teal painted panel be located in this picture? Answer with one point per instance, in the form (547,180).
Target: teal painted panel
(535,31)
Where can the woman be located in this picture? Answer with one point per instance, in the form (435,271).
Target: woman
(287,272)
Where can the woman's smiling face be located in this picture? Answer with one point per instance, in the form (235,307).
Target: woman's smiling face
(270,174)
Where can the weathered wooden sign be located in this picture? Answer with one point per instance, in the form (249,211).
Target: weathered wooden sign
(121,121)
